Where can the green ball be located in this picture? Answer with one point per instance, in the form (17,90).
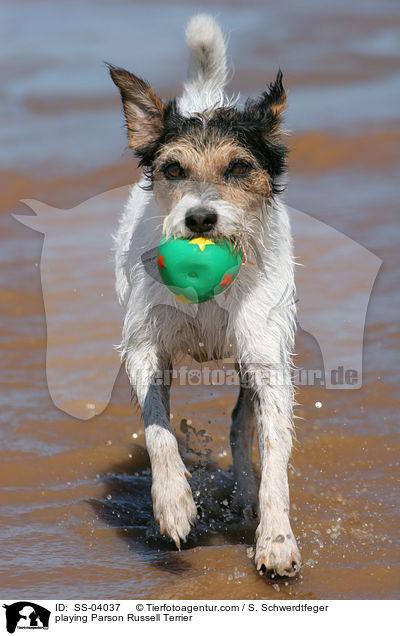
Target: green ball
(197,269)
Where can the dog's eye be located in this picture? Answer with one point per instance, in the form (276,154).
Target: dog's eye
(238,169)
(174,171)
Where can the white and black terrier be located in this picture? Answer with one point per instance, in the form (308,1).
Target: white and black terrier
(213,170)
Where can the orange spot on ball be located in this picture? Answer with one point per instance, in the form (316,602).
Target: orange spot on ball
(161,260)
(227,280)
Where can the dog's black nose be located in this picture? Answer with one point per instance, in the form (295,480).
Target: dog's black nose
(200,220)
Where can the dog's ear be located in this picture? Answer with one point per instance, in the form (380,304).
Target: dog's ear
(144,111)
(277,96)
(269,108)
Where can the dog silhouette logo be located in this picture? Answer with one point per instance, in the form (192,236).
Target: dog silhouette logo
(26,615)
(84,319)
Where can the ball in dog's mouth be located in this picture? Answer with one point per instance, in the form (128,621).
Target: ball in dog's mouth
(198,269)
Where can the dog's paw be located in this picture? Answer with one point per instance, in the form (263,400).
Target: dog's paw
(277,555)
(174,508)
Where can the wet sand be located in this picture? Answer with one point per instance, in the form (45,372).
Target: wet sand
(76,518)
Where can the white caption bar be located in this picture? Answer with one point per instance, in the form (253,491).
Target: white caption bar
(173,617)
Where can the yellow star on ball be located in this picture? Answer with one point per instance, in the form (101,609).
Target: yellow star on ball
(182,298)
(201,242)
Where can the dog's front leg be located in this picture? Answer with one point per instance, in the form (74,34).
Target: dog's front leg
(276,547)
(173,505)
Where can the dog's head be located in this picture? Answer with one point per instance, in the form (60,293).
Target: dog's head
(212,172)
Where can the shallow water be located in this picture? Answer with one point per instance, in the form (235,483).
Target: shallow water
(76,516)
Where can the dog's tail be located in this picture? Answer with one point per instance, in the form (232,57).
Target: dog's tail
(208,68)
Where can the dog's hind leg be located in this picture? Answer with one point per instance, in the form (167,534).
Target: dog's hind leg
(242,432)
(173,505)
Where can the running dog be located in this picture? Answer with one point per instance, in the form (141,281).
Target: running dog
(212,170)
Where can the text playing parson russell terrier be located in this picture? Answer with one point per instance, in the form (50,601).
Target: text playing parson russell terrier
(213,170)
